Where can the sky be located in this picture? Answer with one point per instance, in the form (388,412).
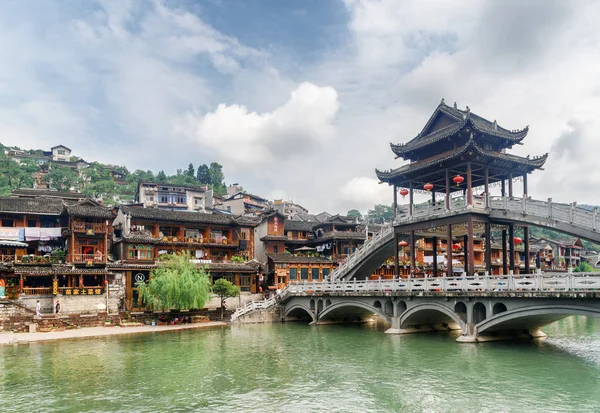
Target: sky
(300,99)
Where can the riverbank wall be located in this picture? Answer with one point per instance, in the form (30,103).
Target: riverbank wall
(266,316)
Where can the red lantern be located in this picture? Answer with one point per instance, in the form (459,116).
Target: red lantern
(428,187)
(455,246)
(458,180)
(517,240)
(403,192)
(402,244)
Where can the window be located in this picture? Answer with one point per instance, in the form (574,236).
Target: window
(293,273)
(314,274)
(326,273)
(151,198)
(163,199)
(7,223)
(275,249)
(304,273)
(140,252)
(61,151)
(31,223)
(180,199)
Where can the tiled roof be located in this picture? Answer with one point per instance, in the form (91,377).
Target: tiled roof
(290,258)
(47,193)
(179,216)
(471,146)
(349,235)
(89,208)
(251,266)
(42,206)
(463,119)
(274,238)
(290,225)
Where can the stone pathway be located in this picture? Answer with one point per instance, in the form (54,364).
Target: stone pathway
(89,332)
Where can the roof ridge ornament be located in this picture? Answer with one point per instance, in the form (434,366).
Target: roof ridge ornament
(455,107)
(442,102)
(495,125)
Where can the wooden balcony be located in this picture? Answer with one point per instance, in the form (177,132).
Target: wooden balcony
(28,259)
(88,259)
(90,228)
(37,290)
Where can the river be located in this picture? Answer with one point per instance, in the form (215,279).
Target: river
(299,368)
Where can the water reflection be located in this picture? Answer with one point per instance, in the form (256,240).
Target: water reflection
(306,368)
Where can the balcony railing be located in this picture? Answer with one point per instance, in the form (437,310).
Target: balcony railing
(37,290)
(89,227)
(28,259)
(87,258)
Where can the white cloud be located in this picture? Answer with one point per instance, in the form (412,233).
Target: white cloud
(363,192)
(240,136)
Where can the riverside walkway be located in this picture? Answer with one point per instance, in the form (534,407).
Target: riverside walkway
(95,332)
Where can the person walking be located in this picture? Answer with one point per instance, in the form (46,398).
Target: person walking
(57,307)
(38,309)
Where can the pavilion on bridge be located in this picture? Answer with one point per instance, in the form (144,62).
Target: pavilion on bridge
(455,159)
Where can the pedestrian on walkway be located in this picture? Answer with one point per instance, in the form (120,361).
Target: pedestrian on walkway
(38,309)
(57,307)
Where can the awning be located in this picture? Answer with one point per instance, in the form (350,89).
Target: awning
(9,243)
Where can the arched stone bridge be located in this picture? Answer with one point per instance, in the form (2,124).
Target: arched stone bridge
(481,308)
(566,218)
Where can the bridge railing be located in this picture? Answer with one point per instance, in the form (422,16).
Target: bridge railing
(252,306)
(512,283)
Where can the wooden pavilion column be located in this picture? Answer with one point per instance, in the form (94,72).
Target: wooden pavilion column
(412,251)
(469,185)
(435,263)
(504,254)
(503,189)
(396,259)
(525,185)
(433,196)
(511,247)
(488,248)
(447,189)
(526,248)
(510,185)
(449,250)
(395,202)
(410,199)
(487,186)
(470,252)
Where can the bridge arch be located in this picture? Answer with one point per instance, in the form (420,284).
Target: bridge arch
(351,309)
(498,308)
(401,307)
(532,317)
(479,312)
(460,309)
(300,312)
(430,313)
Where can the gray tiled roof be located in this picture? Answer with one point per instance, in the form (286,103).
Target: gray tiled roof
(47,193)
(42,206)
(179,216)
(89,208)
(290,225)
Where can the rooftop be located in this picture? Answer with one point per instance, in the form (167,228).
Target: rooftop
(290,258)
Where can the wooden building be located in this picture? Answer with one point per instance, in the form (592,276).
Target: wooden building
(285,268)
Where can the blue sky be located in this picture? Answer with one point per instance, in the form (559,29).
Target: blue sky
(298,99)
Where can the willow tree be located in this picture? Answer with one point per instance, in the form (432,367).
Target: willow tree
(176,284)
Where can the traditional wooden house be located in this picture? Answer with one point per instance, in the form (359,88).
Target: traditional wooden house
(222,243)
(285,268)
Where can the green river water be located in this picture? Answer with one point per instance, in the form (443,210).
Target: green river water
(299,368)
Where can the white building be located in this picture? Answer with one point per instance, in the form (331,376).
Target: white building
(61,153)
(175,197)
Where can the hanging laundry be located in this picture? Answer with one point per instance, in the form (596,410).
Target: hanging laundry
(11,234)
(32,234)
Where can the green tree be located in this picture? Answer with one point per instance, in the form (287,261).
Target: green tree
(62,178)
(583,267)
(176,284)
(191,172)
(203,174)
(381,213)
(224,289)
(354,213)
(161,177)
(217,178)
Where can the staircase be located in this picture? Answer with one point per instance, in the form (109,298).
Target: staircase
(253,306)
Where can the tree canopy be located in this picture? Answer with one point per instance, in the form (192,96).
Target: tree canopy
(224,289)
(354,213)
(176,284)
